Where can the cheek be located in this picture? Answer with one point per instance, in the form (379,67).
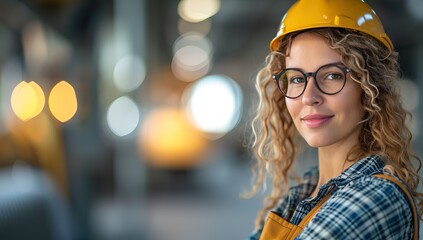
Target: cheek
(292,107)
(360,112)
(356,105)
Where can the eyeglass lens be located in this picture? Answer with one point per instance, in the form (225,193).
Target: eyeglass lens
(329,80)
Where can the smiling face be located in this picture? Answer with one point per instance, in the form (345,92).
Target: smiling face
(323,120)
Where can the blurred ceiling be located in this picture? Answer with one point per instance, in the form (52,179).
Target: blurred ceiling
(240,31)
(238,19)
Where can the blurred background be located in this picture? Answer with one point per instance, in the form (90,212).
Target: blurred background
(129,119)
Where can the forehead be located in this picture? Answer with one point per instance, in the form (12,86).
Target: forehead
(309,51)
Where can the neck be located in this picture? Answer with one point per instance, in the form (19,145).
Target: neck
(331,164)
(333,158)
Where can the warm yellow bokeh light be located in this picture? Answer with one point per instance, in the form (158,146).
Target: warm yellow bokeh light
(41,100)
(168,140)
(27,100)
(62,101)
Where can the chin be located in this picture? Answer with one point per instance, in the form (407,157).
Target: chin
(315,143)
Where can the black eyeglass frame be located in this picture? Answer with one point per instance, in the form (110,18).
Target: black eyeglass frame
(344,69)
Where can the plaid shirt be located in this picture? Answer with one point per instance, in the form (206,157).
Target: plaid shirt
(361,206)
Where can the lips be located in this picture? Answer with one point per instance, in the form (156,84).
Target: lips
(316,120)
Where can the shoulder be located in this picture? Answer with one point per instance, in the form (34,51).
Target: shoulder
(371,194)
(377,203)
(372,188)
(366,208)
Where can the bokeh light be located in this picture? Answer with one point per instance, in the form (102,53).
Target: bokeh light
(62,101)
(41,100)
(214,104)
(123,116)
(129,73)
(192,56)
(197,10)
(190,63)
(27,100)
(167,139)
(193,39)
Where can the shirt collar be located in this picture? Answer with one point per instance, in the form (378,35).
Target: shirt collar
(367,166)
(308,183)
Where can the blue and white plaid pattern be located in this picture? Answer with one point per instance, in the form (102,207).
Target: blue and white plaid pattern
(361,206)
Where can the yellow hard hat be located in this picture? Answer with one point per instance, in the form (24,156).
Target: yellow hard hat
(351,14)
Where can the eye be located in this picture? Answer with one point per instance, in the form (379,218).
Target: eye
(334,76)
(294,77)
(296,80)
(330,73)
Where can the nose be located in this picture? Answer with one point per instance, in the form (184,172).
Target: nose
(311,95)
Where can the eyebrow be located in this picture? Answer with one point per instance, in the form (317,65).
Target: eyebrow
(334,63)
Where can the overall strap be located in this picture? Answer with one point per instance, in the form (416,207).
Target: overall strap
(410,200)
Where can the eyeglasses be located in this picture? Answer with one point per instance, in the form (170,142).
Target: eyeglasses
(330,79)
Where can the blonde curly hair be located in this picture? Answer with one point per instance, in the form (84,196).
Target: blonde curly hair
(384,132)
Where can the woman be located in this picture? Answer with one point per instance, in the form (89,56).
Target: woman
(331,81)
